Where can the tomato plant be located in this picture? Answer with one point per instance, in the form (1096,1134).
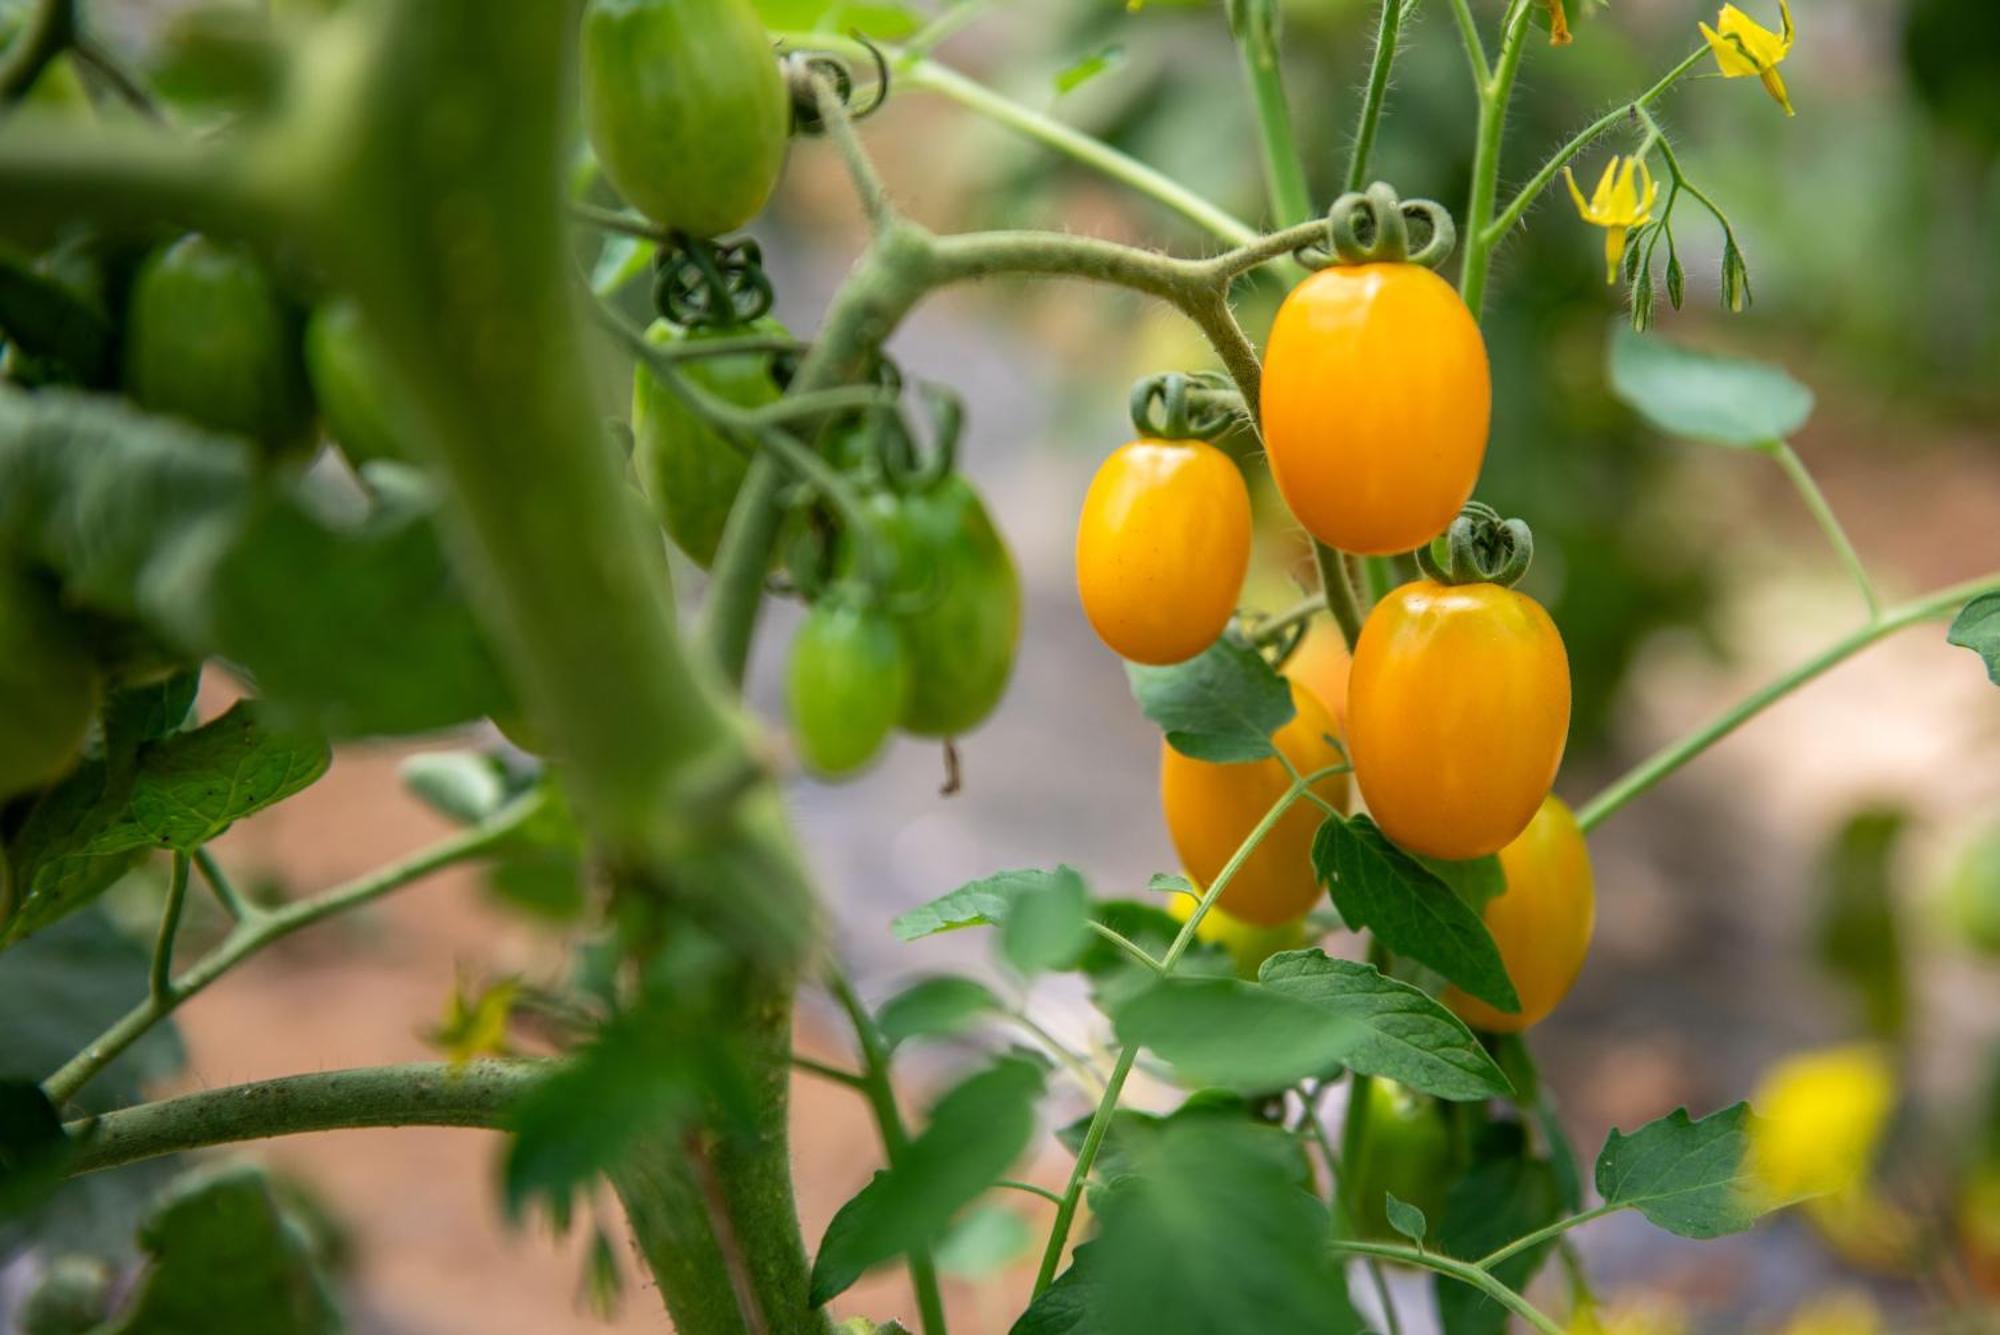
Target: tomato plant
(190,629)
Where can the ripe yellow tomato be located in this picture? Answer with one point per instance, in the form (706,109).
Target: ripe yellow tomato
(1321,664)
(1162,547)
(1542,923)
(1457,712)
(1376,401)
(1212,808)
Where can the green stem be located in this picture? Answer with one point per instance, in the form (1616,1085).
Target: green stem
(1030,1188)
(1493,234)
(1494,95)
(1339,592)
(1086,1074)
(1458,1270)
(159,978)
(1271,628)
(895,1138)
(1255,25)
(226,893)
(260,929)
(1338,1217)
(50,30)
(1678,753)
(1378,88)
(1829,523)
(1475,49)
(1132,949)
(826,1072)
(415,1094)
(1542,1235)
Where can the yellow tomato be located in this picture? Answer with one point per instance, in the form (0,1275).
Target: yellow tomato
(1376,401)
(1212,808)
(1542,923)
(1321,664)
(1457,712)
(1162,547)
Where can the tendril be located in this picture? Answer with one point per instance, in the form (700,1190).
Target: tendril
(1198,405)
(803,69)
(710,284)
(1479,548)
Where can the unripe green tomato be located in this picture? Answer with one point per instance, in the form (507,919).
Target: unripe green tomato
(209,338)
(48,688)
(845,686)
(1973,896)
(686,108)
(1405,1149)
(689,471)
(357,399)
(958,605)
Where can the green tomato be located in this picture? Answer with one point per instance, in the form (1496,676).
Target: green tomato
(686,108)
(1405,1150)
(845,686)
(209,338)
(48,688)
(689,471)
(958,598)
(357,399)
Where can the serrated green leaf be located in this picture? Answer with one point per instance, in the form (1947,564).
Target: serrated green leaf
(976,1131)
(1405,1218)
(1068,1306)
(1221,705)
(1705,396)
(982,903)
(1047,926)
(935,1007)
(1378,886)
(1977,627)
(1221,1031)
(1398,1031)
(1686,1176)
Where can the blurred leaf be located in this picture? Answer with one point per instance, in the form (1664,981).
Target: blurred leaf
(1973,894)
(1977,627)
(179,791)
(1208,1234)
(986,1239)
(1475,881)
(1242,1035)
(146,713)
(1504,1195)
(42,318)
(1170,885)
(1704,396)
(34,1152)
(1378,886)
(1686,1176)
(1130,1132)
(981,903)
(976,1131)
(1070,1305)
(226,1261)
(603,1283)
(1859,936)
(1115,976)
(1396,1030)
(1952,50)
(934,1007)
(1046,926)
(224,60)
(1221,706)
(1081,71)
(1405,1218)
(462,786)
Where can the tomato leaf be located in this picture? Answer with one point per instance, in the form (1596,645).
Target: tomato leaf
(985,1239)
(1240,1035)
(1080,72)
(1397,1030)
(1704,396)
(43,319)
(986,902)
(976,1131)
(1476,881)
(1377,886)
(1221,705)
(1504,1195)
(1977,627)
(465,787)
(1686,1176)
(1069,1306)
(1047,927)
(945,1005)
(1405,1218)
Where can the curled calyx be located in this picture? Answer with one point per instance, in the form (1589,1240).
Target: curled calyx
(1190,405)
(804,70)
(1479,548)
(699,283)
(1374,226)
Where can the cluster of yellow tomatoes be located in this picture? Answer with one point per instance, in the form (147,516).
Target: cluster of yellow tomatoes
(1454,709)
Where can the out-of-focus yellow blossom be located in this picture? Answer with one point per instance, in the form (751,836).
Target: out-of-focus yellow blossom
(1645,1316)
(1744,46)
(1848,1312)
(1820,1117)
(1248,944)
(1623,200)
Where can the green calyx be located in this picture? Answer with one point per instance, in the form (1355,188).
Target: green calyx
(1373,226)
(1479,548)
(1196,405)
(803,68)
(701,284)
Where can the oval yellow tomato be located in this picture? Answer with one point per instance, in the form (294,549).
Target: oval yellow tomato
(1321,664)
(1376,401)
(1542,923)
(1211,809)
(1457,712)
(1162,547)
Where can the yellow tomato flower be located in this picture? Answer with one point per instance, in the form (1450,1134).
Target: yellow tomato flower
(1744,46)
(1623,200)
(1820,1117)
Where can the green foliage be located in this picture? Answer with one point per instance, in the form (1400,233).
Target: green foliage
(69,337)
(986,902)
(462,786)
(1703,396)
(986,1239)
(1977,627)
(1406,1218)
(1241,1035)
(1504,1194)
(1047,929)
(975,1132)
(1860,937)
(1686,1176)
(1378,886)
(1221,705)
(935,1007)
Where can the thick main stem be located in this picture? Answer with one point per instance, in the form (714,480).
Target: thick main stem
(1378,89)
